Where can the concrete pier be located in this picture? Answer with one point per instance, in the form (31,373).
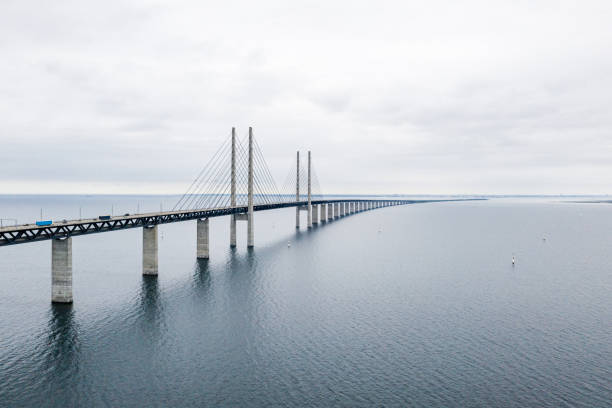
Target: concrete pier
(309,195)
(315,214)
(330,212)
(149,250)
(297,192)
(61,270)
(202,238)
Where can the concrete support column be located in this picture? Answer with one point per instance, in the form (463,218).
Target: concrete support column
(202,238)
(233,191)
(330,212)
(315,214)
(343,209)
(250,231)
(323,208)
(61,270)
(297,192)
(149,250)
(309,212)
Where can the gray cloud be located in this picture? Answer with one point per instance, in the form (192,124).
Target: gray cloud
(442,97)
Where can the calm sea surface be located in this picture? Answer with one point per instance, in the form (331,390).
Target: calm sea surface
(417,305)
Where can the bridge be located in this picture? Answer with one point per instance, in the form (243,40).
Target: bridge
(236,182)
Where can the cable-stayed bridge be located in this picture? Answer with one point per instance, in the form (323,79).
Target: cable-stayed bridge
(236,182)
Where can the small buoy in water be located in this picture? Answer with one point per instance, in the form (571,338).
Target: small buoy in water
(288,244)
(513,260)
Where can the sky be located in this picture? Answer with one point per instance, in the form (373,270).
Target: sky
(406,97)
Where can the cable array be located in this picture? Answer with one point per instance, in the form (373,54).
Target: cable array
(212,187)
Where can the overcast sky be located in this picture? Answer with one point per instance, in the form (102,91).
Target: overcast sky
(415,97)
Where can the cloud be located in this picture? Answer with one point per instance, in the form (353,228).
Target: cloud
(436,97)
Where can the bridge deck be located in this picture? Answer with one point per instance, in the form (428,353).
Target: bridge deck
(31,232)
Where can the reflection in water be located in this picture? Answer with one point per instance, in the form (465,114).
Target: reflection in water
(62,341)
(151,304)
(201,276)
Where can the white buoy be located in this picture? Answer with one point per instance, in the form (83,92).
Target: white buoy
(513,260)
(288,244)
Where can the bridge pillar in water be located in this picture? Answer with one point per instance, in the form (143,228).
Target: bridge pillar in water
(315,214)
(61,270)
(322,212)
(330,212)
(309,195)
(250,231)
(149,250)
(202,238)
(297,192)
(233,191)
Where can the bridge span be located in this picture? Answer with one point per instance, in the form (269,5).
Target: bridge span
(195,204)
